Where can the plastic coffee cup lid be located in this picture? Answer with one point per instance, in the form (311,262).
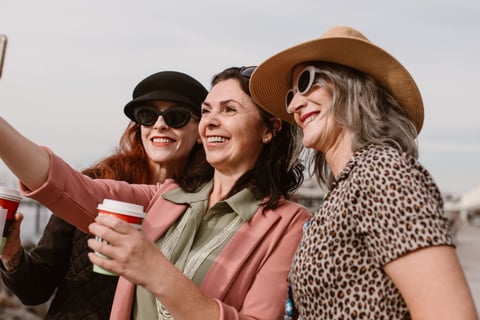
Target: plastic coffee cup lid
(122,208)
(10,194)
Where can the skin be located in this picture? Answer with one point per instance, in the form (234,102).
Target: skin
(232,133)
(320,130)
(14,243)
(168,148)
(438,288)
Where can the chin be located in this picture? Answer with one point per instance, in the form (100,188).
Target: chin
(307,143)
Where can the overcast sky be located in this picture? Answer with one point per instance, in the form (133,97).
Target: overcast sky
(71,65)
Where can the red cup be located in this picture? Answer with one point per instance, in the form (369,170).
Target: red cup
(9,201)
(129,212)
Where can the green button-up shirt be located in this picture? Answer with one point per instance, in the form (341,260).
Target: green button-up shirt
(200,226)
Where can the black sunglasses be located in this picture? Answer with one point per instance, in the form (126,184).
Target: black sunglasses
(247,71)
(174,117)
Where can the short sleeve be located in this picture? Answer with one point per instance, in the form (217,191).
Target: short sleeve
(401,207)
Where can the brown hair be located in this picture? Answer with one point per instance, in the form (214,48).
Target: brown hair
(278,172)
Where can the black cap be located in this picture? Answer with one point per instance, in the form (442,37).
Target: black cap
(168,86)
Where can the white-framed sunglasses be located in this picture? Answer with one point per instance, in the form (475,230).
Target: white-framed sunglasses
(304,83)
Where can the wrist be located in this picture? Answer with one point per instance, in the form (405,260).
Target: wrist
(12,264)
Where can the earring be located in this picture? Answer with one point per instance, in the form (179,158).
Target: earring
(266,139)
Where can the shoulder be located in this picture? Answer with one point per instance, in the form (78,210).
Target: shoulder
(167,185)
(382,156)
(288,218)
(385,171)
(383,163)
(391,176)
(292,210)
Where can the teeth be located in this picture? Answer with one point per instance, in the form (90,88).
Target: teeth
(216,139)
(161,140)
(308,120)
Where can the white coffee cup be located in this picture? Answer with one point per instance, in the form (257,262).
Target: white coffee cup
(129,212)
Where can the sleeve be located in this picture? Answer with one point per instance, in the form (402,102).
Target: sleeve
(41,270)
(74,197)
(407,208)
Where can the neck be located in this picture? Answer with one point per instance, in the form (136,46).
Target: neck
(222,184)
(162,171)
(341,151)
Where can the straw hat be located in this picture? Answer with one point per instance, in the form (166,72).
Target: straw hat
(343,45)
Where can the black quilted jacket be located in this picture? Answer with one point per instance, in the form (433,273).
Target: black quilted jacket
(60,262)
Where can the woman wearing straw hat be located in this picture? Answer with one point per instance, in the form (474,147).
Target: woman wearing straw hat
(379,247)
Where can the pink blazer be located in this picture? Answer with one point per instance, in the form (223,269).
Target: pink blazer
(249,277)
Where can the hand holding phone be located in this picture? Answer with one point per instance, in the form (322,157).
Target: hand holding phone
(3,48)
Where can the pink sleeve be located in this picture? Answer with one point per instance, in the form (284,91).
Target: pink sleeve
(74,197)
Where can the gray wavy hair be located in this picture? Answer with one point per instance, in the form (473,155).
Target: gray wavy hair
(360,104)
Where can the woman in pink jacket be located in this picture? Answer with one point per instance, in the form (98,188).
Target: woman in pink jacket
(214,245)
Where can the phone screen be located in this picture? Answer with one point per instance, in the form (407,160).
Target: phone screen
(3,48)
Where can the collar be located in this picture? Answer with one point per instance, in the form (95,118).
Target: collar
(242,203)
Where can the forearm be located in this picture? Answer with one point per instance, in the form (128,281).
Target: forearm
(34,276)
(31,283)
(27,160)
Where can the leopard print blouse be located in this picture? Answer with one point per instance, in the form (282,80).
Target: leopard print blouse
(383,205)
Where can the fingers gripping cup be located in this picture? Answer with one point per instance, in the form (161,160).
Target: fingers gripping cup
(129,212)
(9,201)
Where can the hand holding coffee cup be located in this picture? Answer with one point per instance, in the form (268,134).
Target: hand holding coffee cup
(129,212)
(9,202)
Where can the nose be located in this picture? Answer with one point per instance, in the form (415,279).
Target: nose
(160,123)
(209,119)
(298,102)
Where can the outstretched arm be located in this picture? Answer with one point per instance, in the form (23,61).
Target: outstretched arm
(27,160)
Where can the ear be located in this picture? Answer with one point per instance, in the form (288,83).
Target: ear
(276,126)
(266,138)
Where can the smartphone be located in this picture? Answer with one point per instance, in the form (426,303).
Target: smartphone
(3,49)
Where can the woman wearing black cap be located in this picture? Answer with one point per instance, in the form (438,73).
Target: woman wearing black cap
(379,246)
(151,150)
(212,246)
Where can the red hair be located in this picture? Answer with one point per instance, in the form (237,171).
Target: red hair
(129,163)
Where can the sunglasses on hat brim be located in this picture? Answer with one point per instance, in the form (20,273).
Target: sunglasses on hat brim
(247,71)
(174,117)
(303,83)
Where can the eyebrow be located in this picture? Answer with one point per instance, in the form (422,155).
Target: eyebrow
(224,102)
